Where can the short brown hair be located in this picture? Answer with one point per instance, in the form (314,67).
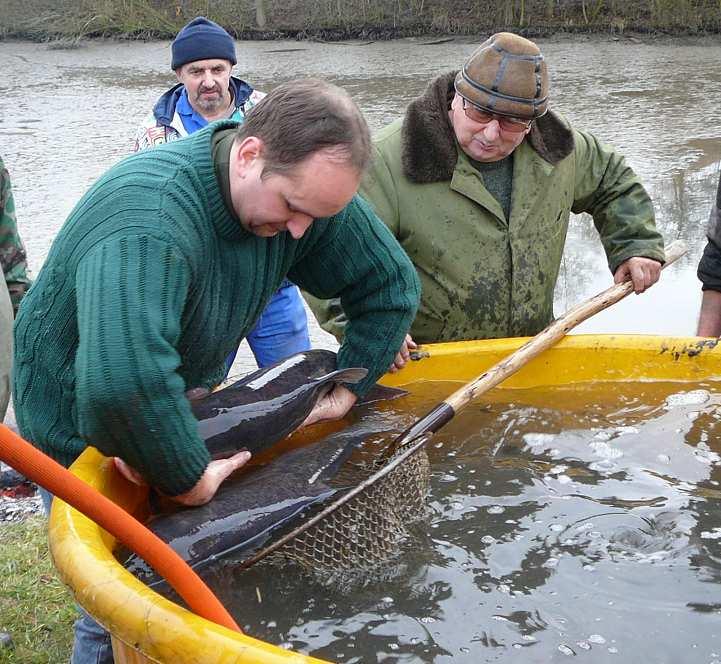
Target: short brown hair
(301,117)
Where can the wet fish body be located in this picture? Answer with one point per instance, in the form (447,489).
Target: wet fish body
(260,409)
(247,510)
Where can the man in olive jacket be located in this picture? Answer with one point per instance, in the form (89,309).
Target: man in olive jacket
(478,181)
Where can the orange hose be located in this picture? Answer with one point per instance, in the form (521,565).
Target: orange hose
(59,481)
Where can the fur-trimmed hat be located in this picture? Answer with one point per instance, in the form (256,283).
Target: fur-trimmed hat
(202,39)
(506,75)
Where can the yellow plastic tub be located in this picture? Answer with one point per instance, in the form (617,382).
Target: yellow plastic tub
(148,628)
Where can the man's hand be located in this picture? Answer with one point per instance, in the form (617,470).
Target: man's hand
(215,473)
(709,320)
(403,355)
(643,272)
(332,406)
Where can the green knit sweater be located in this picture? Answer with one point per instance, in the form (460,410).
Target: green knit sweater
(150,284)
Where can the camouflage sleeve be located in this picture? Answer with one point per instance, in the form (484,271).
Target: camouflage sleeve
(12,252)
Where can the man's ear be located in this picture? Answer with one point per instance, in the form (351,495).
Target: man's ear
(177,74)
(249,150)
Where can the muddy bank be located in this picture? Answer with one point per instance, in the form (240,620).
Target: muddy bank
(354,19)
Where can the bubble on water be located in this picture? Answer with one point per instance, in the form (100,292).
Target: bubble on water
(472,487)
(448,477)
(538,440)
(393,646)
(603,435)
(557,527)
(625,431)
(551,562)
(504,588)
(604,466)
(613,650)
(597,639)
(529,637)
(706,456)
(566,650)
(664,458)
(464,649)
(488,539)
(427,619)
(387,600)
(692,398)
(583,645)
(605,451)
(711,534)
(496,509)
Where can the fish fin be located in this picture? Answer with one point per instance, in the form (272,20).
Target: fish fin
(381,393)
(351,375)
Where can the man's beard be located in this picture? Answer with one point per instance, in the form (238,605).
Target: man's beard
(209,104)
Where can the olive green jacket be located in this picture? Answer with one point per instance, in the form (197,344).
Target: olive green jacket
(482,275)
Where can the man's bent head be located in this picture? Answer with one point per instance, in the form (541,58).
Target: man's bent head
(302,117)
(299,156)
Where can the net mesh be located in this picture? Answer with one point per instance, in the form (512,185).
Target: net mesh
(366,531)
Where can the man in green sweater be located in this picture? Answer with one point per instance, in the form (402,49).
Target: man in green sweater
(169,259)
(478,182)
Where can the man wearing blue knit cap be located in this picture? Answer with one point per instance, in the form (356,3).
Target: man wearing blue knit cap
(203,55)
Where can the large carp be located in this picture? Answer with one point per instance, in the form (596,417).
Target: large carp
(267,405)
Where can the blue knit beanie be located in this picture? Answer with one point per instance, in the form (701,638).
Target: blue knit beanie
(202,39)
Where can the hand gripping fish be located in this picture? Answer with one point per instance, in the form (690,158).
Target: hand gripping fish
(262,408)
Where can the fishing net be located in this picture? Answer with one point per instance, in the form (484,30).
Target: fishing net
(366,531)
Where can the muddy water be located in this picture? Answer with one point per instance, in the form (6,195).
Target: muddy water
(67,115)
(573,521)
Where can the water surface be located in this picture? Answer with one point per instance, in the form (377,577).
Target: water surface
(568,521)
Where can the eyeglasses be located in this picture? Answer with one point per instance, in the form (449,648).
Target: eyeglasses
(481,116)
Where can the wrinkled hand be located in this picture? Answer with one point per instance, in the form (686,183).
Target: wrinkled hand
(215,473)
(332,406)
(403,355)
(643,272)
